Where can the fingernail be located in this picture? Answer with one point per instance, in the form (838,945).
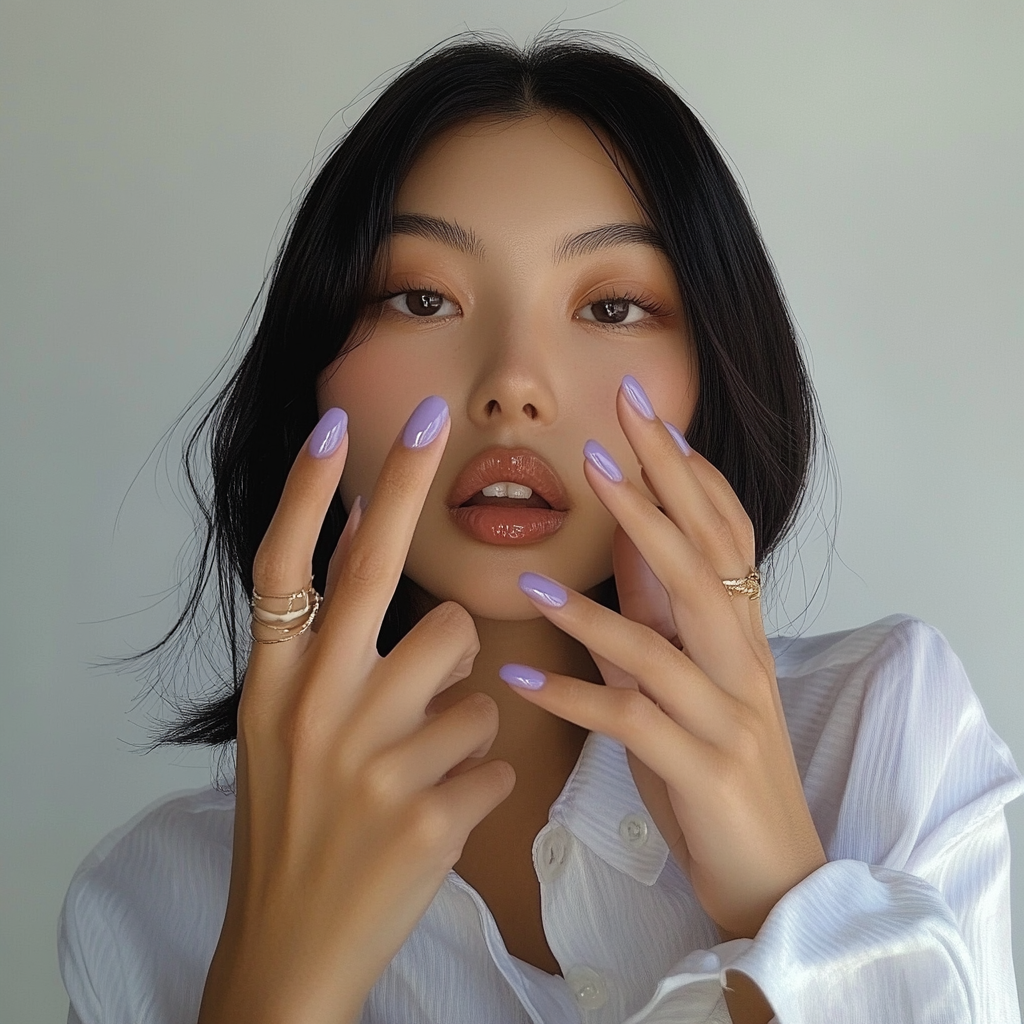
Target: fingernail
(678,438)
(599,458)
(355,516)
(541,589)
(637,397)
(327,434)
(523,676)
(426,422)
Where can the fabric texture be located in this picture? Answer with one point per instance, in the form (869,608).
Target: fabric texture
(908,921)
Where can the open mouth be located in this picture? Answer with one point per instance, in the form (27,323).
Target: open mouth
(508,496)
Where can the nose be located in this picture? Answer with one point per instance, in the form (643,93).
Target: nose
(513,387)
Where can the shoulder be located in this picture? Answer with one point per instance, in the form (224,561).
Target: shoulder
(898,667)
(887,729)
(144,910)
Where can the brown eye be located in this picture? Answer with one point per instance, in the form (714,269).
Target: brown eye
(422,304)
(612,311)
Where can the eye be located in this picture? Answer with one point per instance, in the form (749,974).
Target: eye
(613,311)
(422,303)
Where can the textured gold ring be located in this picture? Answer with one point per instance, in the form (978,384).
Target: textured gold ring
(749,586)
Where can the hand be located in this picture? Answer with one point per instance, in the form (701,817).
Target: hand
(704,729)
(352,802)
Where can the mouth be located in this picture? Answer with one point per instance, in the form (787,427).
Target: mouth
(508,496)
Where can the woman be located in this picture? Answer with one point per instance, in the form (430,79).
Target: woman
(524,309)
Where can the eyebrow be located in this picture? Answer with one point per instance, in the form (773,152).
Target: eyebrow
(444,231)
(606,236)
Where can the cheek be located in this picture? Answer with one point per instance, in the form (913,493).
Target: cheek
(375,414)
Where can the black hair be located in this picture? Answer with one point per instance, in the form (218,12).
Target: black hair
(756,417)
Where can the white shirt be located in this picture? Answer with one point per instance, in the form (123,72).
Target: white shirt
(908,921)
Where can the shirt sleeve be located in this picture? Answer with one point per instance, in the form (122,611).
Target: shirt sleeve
(910,918)
(143,913)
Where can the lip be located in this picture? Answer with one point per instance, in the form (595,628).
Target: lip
(516,465)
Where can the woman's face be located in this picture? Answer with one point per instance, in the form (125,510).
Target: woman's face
(508,301)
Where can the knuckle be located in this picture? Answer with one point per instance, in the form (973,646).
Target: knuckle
(744,739)
(481,711)
(502,778)
(379,782)
(428,827)
(365,566)
(454,623)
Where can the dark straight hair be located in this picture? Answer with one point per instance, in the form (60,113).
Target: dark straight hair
(756,417)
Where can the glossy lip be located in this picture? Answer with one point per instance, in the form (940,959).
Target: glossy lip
(494,524)
(516,465)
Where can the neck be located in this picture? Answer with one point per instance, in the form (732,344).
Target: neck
(541,747)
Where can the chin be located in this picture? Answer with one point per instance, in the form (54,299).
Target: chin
(487,583)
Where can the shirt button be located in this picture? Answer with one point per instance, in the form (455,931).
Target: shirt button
(587,986)
(552,853)
(701,961)
(633,829)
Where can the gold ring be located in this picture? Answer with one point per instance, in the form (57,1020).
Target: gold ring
(293,620)
(749,586)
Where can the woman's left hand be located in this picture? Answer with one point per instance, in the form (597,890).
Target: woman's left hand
(703,727)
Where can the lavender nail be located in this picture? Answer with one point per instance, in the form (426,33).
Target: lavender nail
(426,422)
(523,676)
(678,438)
(637,397)
(543,590)
(601,460)
(327,434)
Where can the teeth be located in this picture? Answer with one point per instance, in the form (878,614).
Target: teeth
(506,489)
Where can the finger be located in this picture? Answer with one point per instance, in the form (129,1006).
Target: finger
(467,799)
(693,494)
(284,559)
(664,674)
(378,551)
(338,556)
(642,598)
(736,520)
(666,747)
(707,623)
(438,651)
(669,470)
(466,729)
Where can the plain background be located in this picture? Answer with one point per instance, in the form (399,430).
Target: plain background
(150,156)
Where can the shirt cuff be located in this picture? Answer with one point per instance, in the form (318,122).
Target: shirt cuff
(853,943)
(692,992)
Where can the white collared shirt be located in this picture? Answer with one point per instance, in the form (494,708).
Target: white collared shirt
(908,921)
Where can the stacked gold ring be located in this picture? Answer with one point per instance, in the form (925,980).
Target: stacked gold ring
(292,622)
(749,586)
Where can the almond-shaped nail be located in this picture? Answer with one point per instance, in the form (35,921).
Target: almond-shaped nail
(523,676)
(426,422)
(637,397)
(355,516)
(601,460)
(327,434)
(542,590)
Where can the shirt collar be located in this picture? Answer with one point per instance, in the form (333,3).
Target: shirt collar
(601,807)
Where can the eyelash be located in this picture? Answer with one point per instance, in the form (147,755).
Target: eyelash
(652,307)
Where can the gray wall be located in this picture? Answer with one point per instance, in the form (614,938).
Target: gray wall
(150,154)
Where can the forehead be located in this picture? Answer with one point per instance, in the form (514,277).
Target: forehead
(542,174)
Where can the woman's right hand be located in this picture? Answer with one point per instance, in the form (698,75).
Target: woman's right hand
(348,812)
